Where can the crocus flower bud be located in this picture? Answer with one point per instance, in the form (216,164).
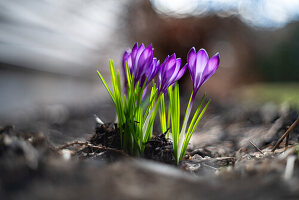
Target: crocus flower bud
(201,68)
(140,61)
(170,72)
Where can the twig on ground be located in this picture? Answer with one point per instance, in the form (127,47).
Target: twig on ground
(71,144)
(87,144)
(107,149)
(258,149)
(285,134)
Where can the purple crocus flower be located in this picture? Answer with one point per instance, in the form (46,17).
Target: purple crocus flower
(201,68)
(170,72)
(151,71)
(140,60)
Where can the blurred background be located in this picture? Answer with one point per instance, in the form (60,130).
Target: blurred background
(50,50)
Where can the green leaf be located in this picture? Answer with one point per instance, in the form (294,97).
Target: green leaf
(106,86)
(149,128)
(188,136)
(182,135)
(169,110)
(162,114)
(148,121)
(175,117)
(196,114)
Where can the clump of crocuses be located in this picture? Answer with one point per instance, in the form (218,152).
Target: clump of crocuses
(136,115)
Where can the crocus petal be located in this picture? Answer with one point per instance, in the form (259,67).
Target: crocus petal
(181,73)
(202,59)
(157,67)
(134,50)
(174,74)
(152,70)
(159,79)
(146,57)
(168,70)
(191,59)
(197,81)
(170,66)
(127,59)
(211,68)
(171,62)
(213,63)
(178,62)
(136,56)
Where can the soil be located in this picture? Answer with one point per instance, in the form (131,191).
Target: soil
(159,149)
(229,157)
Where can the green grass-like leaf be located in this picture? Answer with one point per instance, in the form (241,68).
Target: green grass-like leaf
(162,114)
(175,117)
(106,86)
(189,134)
(195,114)
(181,138)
